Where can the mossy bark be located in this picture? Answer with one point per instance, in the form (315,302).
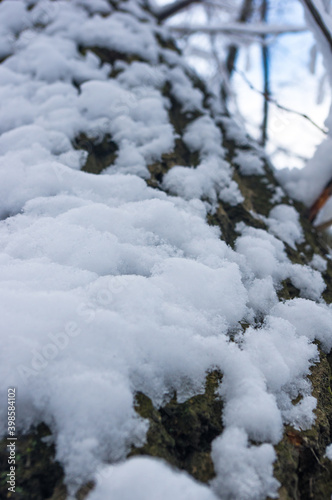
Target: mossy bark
(38,475)
(182,433)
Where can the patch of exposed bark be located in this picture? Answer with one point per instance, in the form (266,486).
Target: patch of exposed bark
(101,153)
(38,475)
(182,433)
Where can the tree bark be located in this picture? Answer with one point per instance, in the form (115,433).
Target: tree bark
(301,467)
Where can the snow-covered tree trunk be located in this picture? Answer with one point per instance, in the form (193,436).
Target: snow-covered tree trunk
(163,295)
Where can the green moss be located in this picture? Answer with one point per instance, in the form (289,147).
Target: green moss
(38,475)
(226,217)
(182,433)
(288,291)
(101,153)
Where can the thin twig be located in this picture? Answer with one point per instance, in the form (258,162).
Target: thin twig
(288,152)
(324,225)
(320,463)
(273,101)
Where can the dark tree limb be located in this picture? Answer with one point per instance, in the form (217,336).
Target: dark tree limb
(250,30)
(174,8)
(233,50)
(266,77)
(319,21)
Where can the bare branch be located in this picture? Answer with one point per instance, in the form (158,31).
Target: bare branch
(233,50)
(239,28)
(316,14)
(174,8)
(266,76)
(245,14)
(221,69)
(279,106)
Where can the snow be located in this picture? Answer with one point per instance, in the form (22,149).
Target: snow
(153,303)
(212,178)
(329,451)
(246,470)
(204,136)
(307,184)
(110,287)
(265,256)
(144,478)
(233,131)
(137,121)
(278,195)
(263,252)
(283,221)
(319,263)
(310,319)
(190,98)
(140,74)
(249,163)
(262,295)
